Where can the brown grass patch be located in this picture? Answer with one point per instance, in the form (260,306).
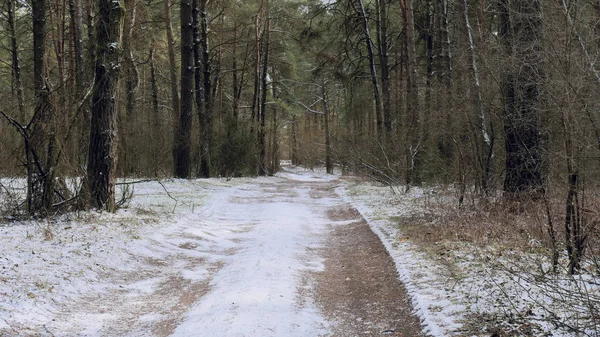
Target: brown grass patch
(522,226)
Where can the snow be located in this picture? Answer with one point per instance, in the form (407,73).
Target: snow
(255,293)
(470,287)
(238,257)
(424,280)
(232,258)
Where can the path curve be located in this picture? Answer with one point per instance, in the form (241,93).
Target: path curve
(281,256)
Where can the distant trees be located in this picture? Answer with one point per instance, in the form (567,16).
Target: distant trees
(522,34)
(408,92)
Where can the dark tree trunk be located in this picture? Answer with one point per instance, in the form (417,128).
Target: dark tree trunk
(294,141)
(198,84)
(485,146)
(274,157)
(172,73)
(205,160)
(372,69)
(16,68)
(384,66)
(102,157)
(413,134)
(326,113)
(234,71)
(257,58)
(77,37)
(429,26)
(130,75)
(40,140)
(263,100)
(182,139)
(156,120)
(523,140)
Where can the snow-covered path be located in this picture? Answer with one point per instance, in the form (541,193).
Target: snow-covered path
(260,257)
(255,292)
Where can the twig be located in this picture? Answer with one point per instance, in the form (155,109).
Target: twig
(137,182)
(169,195)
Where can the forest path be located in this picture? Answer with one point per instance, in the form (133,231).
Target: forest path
(285,256)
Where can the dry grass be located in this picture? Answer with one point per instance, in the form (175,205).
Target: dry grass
(499,224)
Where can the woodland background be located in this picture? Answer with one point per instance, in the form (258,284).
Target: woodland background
(497,99)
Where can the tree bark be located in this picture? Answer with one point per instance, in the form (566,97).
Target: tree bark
(262,170)
(205,159)
(102,157)
(372,69)
(16,68)
(384,66)
(326,114)
(413,142)
(172,70)
(485,154)
(40,139)
(182,141)
(131,77)
(156,121)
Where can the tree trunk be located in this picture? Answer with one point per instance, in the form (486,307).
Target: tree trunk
(574,237)
(523,140)
(263,100)
(205,160)
(172,70)
(294,141)
(447,143)
(156,120)
(130,74)
(384,66)
(102,157)
(372,69)
(274,161)
(182,139)
(257,62)
(414,114)
(326,114)
(16,68)
(485,154)
(234,71)
(40,139)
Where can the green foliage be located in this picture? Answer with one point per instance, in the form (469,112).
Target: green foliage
(235,149)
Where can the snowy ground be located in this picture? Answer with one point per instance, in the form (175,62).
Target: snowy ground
(232,258)
(213,257)
(207,239)
(460,289)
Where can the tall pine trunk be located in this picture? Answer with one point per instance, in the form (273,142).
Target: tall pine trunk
(40,140)
(486,142)
(372,69)
(102,156)
(183,132)
(206,145)
(16,67)
(413,133)
(262,169)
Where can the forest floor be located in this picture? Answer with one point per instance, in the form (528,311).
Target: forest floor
(279,256)
(299,254)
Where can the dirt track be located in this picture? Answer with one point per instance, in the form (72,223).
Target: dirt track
(358,291)
(359,288)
